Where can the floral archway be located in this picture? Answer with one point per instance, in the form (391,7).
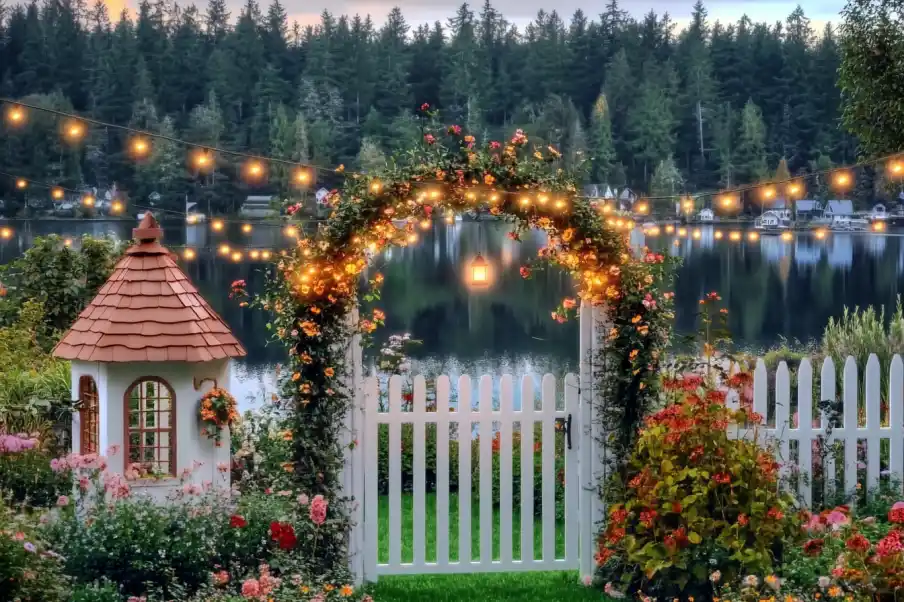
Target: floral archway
(317,285)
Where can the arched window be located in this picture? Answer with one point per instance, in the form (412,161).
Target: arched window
(89,415)
(151,426)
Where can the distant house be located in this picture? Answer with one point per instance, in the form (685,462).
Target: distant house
(807,208)
(258,206)
(879,212)
(626,198)
(773,219)
(838,208)
(705,215)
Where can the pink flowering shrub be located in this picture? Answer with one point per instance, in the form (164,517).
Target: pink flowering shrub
(29,570)
(25,476)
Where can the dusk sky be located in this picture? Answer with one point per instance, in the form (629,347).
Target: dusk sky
(522,11)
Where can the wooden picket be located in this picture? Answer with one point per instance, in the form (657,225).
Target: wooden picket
(849,433)
(484,416)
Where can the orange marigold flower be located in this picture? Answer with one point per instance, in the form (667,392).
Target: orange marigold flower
(347,590)
(636,319)
(288,466)
(306,359)
(296,376)
(329,372)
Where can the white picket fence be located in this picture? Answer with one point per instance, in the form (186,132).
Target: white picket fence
(851,433)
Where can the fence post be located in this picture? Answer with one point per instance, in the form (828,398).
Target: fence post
(590,451)
(353,443)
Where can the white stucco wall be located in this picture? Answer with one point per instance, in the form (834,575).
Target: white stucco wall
(114,379)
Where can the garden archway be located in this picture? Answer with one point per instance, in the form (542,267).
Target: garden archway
(316,290)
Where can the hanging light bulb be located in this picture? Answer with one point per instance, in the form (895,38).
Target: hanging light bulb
(254,170)
(302,177)
(896,168)
(139,147)
(236,256)
(735,236)
(795,190)
(116,207)
(718,235)
(15,115)
(6,233)
(74,130)
(21,183)
(57,193)
(188,254)
(202,160)
(265,254)
(697,235)
(88,200)
(642,208)
(246,228)
(224,250)
(217,225)
(842,180)
(480,271)
(753,236)
(291,231)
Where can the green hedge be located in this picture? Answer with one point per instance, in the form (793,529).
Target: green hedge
(407,462)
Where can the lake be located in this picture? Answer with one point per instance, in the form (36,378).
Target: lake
(773,290)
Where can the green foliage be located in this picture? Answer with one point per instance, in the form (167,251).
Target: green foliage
(62,278)
(27,572)
(26,478)
(99,591)
(872,63)
(34,387)
(696,500)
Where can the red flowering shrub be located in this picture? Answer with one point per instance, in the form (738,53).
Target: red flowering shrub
(283,534)
(696,500)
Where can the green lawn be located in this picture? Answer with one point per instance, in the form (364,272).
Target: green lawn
(528,586)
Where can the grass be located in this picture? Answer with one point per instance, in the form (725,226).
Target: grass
(485,587)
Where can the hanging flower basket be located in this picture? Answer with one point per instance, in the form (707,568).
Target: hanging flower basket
(218,409)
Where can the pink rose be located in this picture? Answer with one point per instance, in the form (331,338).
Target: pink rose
(251,588)
(62,501)
(318,510)
(303,500)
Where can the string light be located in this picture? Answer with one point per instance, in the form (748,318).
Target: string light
(88,200)
(795,190)
(246,228)
(302,177)
(768,193)
(718,235)
(291,231)
(787,236)
(425,224)
(74,130)
(21,184)
(224,250)
(236,256)
(727,201)
(842,180)
(15,115)
(682,231)
(735,236)
(116,207)
(254,170)
(697,234)
(687,204)
(188,254)
(642,208)
(896,168)
(6,233)
(265,254)
(202,160)
(217,225)
(669,229)
(753,236)
(139,147)
(57,193)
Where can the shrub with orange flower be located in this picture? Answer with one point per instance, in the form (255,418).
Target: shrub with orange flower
(218,409)
(693,494)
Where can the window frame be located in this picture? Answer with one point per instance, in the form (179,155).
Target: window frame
(127,430)
(89,414)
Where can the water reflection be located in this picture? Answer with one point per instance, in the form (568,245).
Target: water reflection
(773,289)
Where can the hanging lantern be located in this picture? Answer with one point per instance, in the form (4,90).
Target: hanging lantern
(480,271)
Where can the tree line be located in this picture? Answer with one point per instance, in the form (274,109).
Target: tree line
(659,110)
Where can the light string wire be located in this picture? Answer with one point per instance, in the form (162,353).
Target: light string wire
(265,158)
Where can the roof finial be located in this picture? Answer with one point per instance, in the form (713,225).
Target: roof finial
(148,230)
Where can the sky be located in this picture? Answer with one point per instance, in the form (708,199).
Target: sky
(522,12)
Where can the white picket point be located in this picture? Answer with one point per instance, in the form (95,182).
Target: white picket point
(584,436)
(395,469)
(827,380)
(443,387)
(464,469)
(805,429)
(371,447)
(486,469)
(548,454)
(896,419)
(851,393)
(572,526)
(419,467)
(873,424)
(527,469)
(761,391)
(506,426)
(782,415)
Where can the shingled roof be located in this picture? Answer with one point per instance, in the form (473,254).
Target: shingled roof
(148,311)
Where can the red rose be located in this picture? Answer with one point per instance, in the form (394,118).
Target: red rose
(237,522)
(425,106)
(858,543)
(283,534)
(814,547)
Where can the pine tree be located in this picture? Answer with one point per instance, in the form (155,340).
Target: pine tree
(602,147)
(665,185)
(651,127)
(750,154)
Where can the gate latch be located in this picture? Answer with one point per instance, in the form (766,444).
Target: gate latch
(564,425)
